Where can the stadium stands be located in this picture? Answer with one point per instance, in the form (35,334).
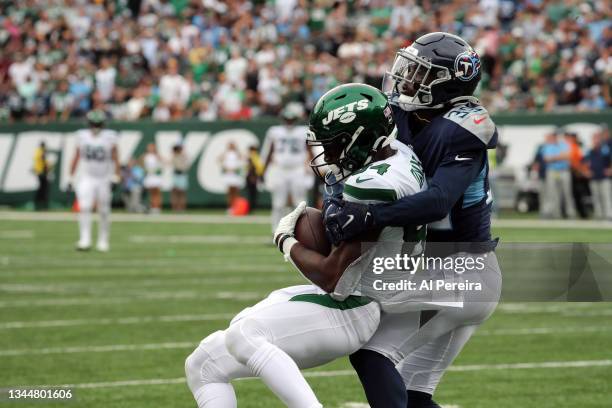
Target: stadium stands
(208,59)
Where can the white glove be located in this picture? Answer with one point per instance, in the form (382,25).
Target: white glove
(284,234)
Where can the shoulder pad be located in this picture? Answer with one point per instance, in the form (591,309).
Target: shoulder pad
(475,119)
(275,129)
(369,188)
(80,134)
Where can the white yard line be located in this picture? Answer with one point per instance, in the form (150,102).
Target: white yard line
(552,224)
(16,234)
(529,308)
(98,349)
(119,321)
(263,219)
(201,239)
(181,345)
(123,217)
(133,298)
(173,268)
(543,330)
(89,287)
(340,373)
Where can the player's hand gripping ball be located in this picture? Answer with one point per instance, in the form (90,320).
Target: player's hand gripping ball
(286,226)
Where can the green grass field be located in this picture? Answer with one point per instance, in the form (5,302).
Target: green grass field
(117,327)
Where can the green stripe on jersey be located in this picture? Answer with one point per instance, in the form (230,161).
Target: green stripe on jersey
(350,302)
(372,194)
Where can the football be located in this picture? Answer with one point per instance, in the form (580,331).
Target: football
(310,232)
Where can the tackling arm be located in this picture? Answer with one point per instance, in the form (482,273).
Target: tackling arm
(447,185)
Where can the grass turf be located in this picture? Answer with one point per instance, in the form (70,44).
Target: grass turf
(135,314)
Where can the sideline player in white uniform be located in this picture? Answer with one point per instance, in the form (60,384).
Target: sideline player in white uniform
(303,326)
(287,161)
(97,151)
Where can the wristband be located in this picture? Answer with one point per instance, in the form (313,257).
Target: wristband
(286,244)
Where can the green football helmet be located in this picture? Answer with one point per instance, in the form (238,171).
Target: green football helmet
(96,118)
(351,122)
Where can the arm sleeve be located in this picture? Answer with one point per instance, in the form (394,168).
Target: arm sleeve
(446,187)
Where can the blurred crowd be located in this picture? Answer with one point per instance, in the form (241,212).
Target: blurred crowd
(209,59)
(575,180)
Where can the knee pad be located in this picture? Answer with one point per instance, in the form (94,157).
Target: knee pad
(200,367)
(243,338)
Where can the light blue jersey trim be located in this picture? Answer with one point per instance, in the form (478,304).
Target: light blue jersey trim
(475,191)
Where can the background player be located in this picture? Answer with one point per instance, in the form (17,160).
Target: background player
(430,86)
(302,326)
(285,167)
(97,151)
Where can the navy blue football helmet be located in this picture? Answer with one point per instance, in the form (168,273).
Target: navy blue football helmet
(438,69)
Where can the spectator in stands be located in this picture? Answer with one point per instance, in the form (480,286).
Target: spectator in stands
(556,155)
(536,55)
(180,178)
(105,79)
(174,90)
(41,169)
(599,163)
(62,103)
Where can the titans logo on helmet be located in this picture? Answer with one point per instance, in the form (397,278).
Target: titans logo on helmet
(467,65)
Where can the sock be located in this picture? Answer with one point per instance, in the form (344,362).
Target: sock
(282,376)
(104,227)
(382,383)
(216,395)
(85,228)
(419,399)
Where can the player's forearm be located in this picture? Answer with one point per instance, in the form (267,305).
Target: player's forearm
(315,267)
(421,208)
(446,187)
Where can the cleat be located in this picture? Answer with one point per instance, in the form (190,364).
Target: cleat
(82,247)
(102,247)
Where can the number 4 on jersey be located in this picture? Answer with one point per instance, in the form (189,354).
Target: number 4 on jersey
(381,168)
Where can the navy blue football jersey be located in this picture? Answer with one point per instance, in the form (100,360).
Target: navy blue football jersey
(453,151)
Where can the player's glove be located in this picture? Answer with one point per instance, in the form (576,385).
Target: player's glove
(284,235)
(347,221)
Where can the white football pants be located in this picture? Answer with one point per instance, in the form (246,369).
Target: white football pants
(273,340)
(423,352)
(288,182)
(92,190)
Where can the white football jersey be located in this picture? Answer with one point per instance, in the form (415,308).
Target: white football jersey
(387,180)
(96,151)
(289,145)
(383,181)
